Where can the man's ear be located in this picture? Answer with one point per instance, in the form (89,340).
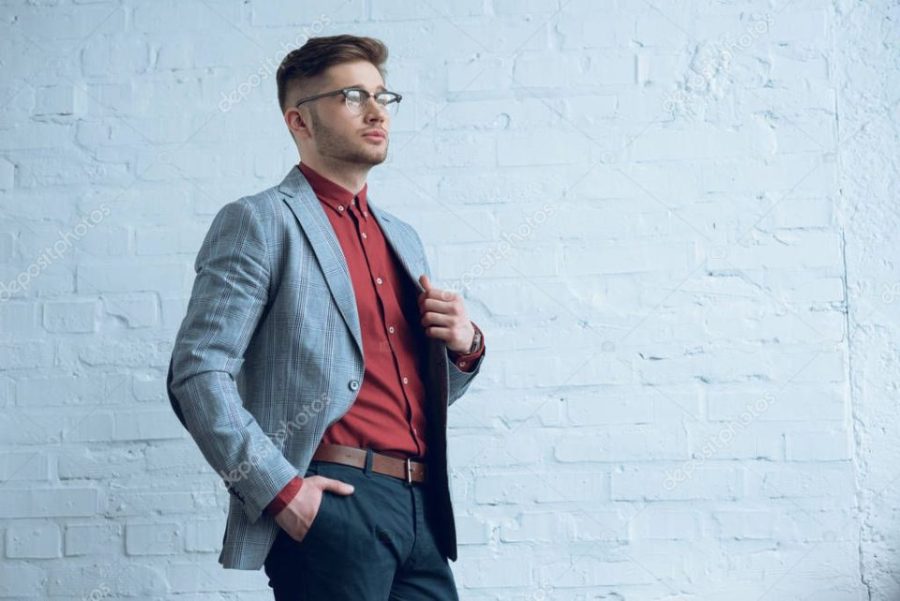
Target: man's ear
(298,118)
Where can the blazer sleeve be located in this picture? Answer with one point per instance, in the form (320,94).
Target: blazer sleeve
(229,295)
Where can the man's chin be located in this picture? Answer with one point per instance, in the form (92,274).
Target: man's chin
(372,158)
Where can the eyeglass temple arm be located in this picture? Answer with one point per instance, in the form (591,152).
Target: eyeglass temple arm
(322,95)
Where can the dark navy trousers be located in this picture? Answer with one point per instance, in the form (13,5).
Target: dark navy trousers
(376,544)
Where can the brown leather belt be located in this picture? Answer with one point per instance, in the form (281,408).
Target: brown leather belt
(405,469)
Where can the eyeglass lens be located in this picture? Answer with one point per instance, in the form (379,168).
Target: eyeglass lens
(357,98)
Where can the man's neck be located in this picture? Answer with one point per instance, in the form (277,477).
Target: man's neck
(349,177)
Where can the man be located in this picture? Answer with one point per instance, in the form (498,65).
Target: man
(315,344)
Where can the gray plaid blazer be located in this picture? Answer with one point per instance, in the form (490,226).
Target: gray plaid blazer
(269,355)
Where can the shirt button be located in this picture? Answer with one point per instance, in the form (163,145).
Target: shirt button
(405,380)
(462,363)
(364,235)
(391,329)
(340,207)
(377,280)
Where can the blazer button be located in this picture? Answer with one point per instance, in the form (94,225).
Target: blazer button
(354,384)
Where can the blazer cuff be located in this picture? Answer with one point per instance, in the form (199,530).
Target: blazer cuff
(284,497)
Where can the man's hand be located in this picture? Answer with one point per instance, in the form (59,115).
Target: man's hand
(444,317)
(298,515)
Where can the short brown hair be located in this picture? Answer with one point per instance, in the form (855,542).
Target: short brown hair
(320,53)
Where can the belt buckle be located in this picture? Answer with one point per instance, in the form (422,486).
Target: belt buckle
(408,473)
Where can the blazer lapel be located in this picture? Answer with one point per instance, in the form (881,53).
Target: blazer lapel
(302,200)
(400,241)
(308,210)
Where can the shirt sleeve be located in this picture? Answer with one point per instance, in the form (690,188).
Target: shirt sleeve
(284,497)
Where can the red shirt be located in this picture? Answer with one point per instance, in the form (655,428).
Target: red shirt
(388,415)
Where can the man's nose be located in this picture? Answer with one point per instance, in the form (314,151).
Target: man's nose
(374,111)
(375,116)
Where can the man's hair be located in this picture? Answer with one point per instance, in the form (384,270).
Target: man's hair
(304,64)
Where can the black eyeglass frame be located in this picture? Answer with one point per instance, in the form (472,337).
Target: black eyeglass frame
(396,97)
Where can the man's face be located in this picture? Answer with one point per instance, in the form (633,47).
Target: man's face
(336,132)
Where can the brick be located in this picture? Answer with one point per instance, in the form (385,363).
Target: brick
(792,480)
(33,540)
(49,502)
(472,530)
(163,538)
(69,390)
(556,487)
(534,527)
(623,443)
(94,539)
(496,572)
(204,535)
(110,463)
(132,310)
(819,445)
(61,100)
(107,579)
(148,425)
(70,317)
(24,466)
(135,501)
(516,148)
(122,276)
(661,523)
(688,480)
(21,579)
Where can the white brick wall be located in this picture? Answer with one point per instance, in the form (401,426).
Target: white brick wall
(676,223)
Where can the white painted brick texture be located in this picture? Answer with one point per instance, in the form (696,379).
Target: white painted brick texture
(675,222)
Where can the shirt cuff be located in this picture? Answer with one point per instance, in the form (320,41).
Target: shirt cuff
(284,497)
(465,361)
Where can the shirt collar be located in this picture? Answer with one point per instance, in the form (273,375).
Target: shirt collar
(332,194)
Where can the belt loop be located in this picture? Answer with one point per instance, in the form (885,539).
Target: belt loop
(368,467)
(408,474)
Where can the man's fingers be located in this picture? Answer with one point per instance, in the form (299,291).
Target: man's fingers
(338,486)
(440,306)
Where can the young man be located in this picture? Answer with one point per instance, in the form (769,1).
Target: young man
(315,344)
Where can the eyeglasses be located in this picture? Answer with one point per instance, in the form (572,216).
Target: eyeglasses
(357,98)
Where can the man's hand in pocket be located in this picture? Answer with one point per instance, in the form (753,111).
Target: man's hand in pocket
(298,515)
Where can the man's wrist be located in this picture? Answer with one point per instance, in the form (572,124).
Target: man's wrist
(284,497)
(466,361)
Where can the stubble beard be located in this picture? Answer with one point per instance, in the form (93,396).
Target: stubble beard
(357,151)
